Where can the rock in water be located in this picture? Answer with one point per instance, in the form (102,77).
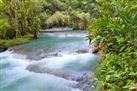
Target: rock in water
(86,82)
(83,51)
(3,48)
(57,72)
(95,50)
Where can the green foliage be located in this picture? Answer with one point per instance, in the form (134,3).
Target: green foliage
(17,41)
(58,19)
(117,31)
(22,17)
(116,72)
(3,26)
(73,9)
(80,20)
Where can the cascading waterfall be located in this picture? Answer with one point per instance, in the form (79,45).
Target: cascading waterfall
(15,77)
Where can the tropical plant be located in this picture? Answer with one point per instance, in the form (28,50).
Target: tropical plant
(116,32)
(22,17)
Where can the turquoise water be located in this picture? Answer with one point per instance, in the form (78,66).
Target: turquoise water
(15,77)
(49,42)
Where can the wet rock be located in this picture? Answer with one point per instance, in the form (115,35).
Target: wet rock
(83,51)
(54,54)
(85,82)
(3,48)
(40,55)
(34,56)
(57,72)
(95,50)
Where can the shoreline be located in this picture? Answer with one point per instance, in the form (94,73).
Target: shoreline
(6,44)
(9,43)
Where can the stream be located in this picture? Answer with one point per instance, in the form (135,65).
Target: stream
(47,64)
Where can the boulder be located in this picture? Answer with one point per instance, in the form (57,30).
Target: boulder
(3,48)
(85,82)
(95,50)
(83,51)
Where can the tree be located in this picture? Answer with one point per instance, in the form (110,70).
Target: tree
(22,17)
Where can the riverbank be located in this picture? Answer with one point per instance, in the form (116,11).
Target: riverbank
(5,44)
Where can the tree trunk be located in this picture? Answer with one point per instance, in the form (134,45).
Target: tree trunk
(35,34)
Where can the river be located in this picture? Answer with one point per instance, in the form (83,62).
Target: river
(53,51)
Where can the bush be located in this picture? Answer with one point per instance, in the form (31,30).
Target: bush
(117,72)
(58,19)
(116,32)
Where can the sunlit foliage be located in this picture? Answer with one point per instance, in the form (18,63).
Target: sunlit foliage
(116,32)
(73,9)
(21,16)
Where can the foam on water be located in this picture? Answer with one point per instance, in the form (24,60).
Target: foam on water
(15,77)
(60,62)
(64,35)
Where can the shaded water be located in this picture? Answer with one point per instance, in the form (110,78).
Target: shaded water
(15,77)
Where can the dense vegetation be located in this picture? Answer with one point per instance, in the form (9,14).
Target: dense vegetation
(113,23)
(116,33)
(19,18)
(73,13)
